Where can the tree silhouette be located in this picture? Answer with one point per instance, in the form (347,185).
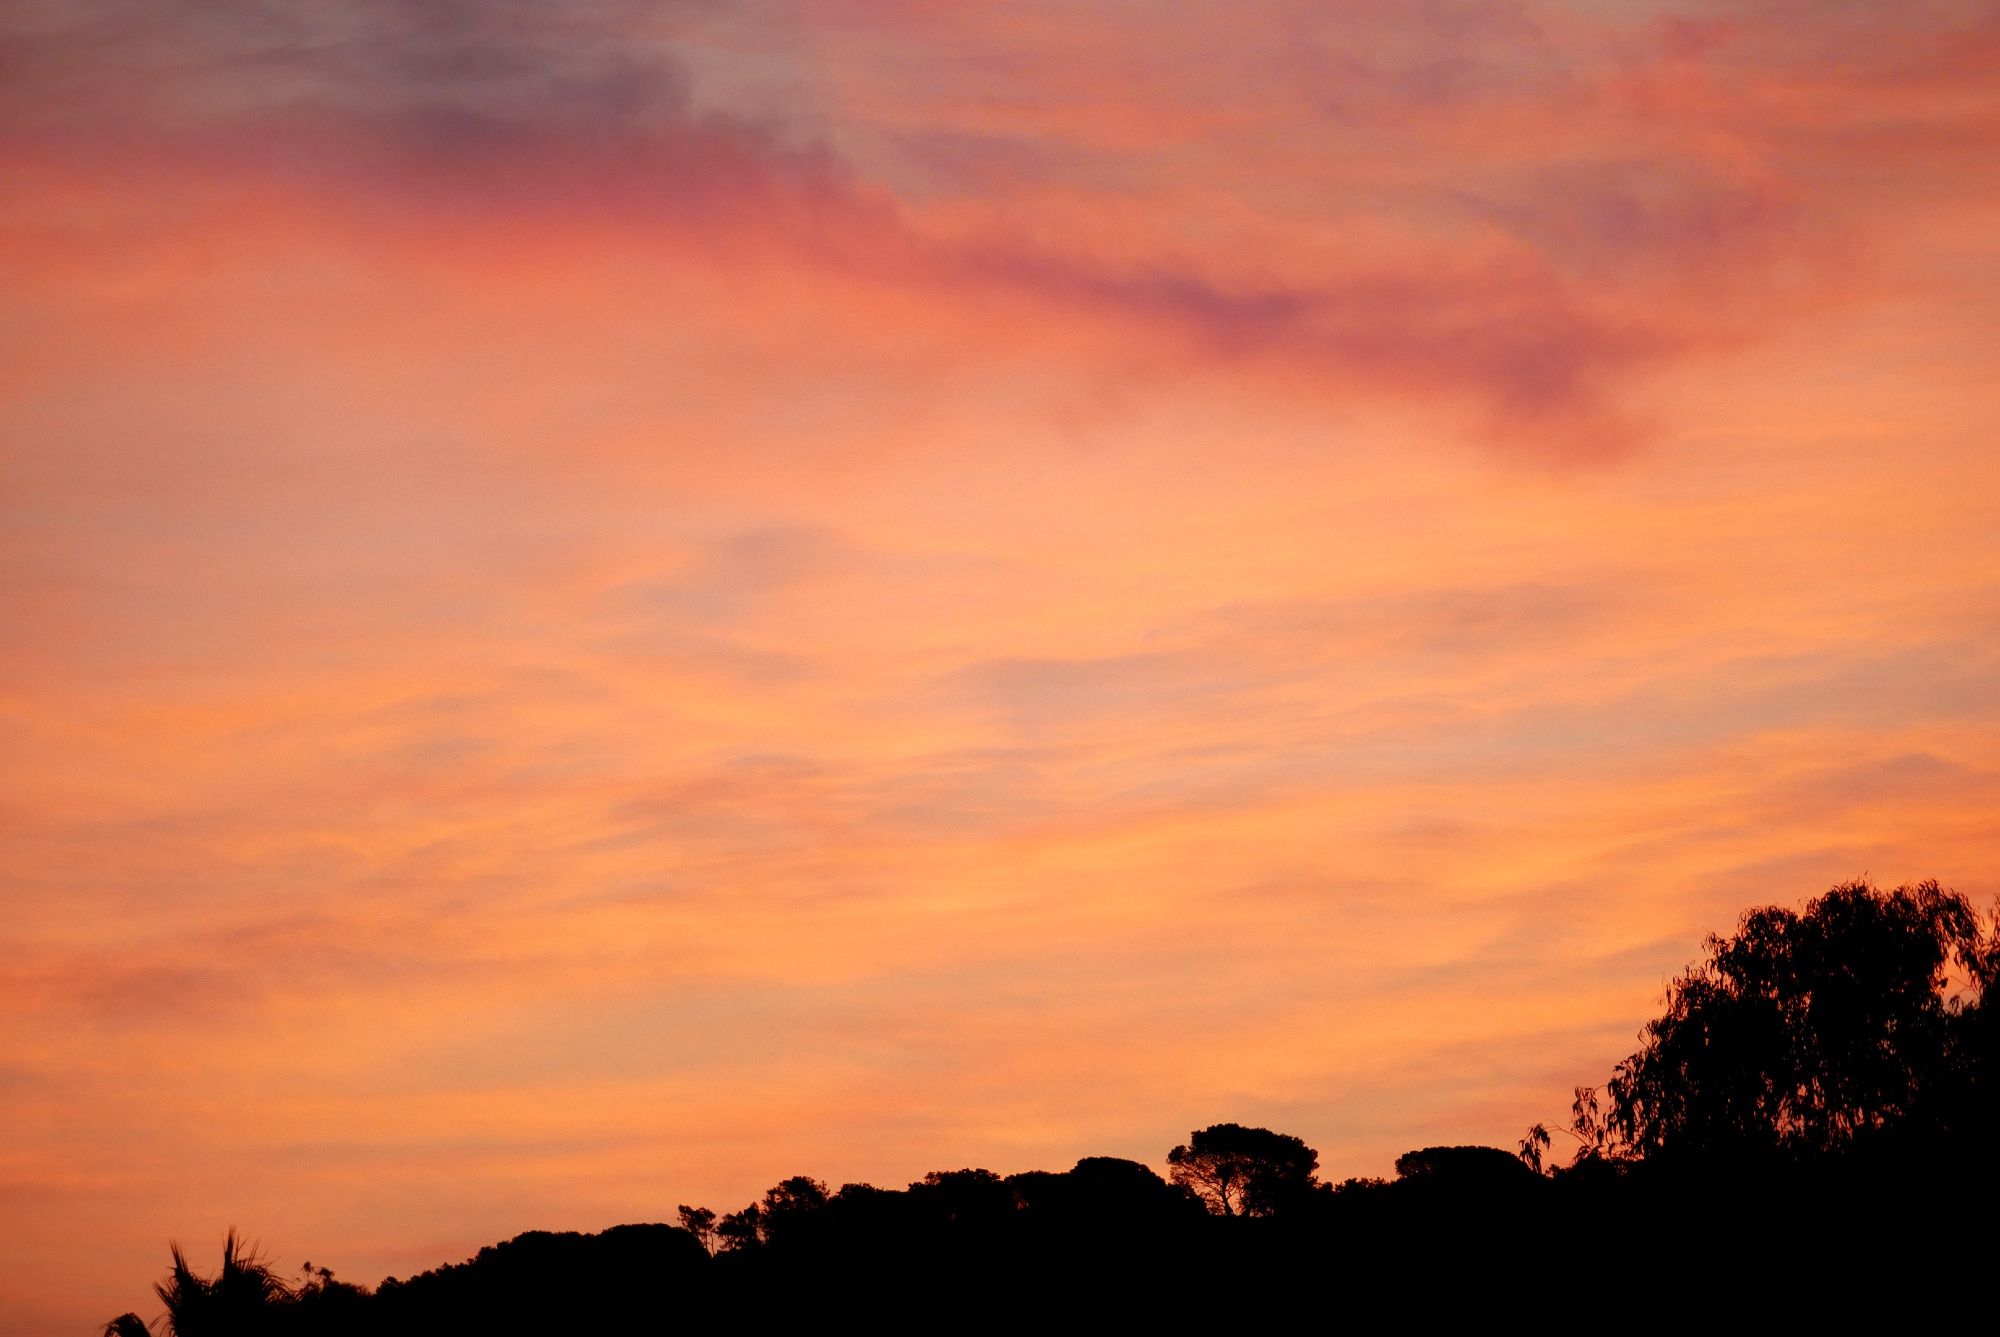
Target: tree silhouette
(741,1231)
(1126,1187)
(1827,1075)
(700,1223)
(237,1299)
(790,1210)
(962,1197)
(1802,1034)
(1239,1171)
(1464,1168)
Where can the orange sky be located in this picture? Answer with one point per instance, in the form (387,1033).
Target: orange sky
(605,608)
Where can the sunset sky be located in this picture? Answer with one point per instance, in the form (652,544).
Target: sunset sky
(607,603)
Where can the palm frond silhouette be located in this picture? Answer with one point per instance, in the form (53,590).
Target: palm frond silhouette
(234,1301)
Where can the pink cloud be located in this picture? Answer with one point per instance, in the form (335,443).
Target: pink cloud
(485,123)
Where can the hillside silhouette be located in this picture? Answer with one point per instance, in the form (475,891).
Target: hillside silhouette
(1806,1131)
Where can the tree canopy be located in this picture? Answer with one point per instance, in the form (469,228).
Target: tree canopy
(1463,1166)
(1239,1171)
(1808,1033)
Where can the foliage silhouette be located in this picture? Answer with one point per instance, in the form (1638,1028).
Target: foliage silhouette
(700,1223)
(1238,1171)
(547,1282)
(1534,1147)
(1818,1094)
(1483,1167)
(234,1300)
(1804,1035)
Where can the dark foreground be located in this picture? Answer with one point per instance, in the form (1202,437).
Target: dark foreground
(1806,1135)
(1109,1242)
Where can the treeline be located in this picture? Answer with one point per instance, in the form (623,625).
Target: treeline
(1807,1130)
